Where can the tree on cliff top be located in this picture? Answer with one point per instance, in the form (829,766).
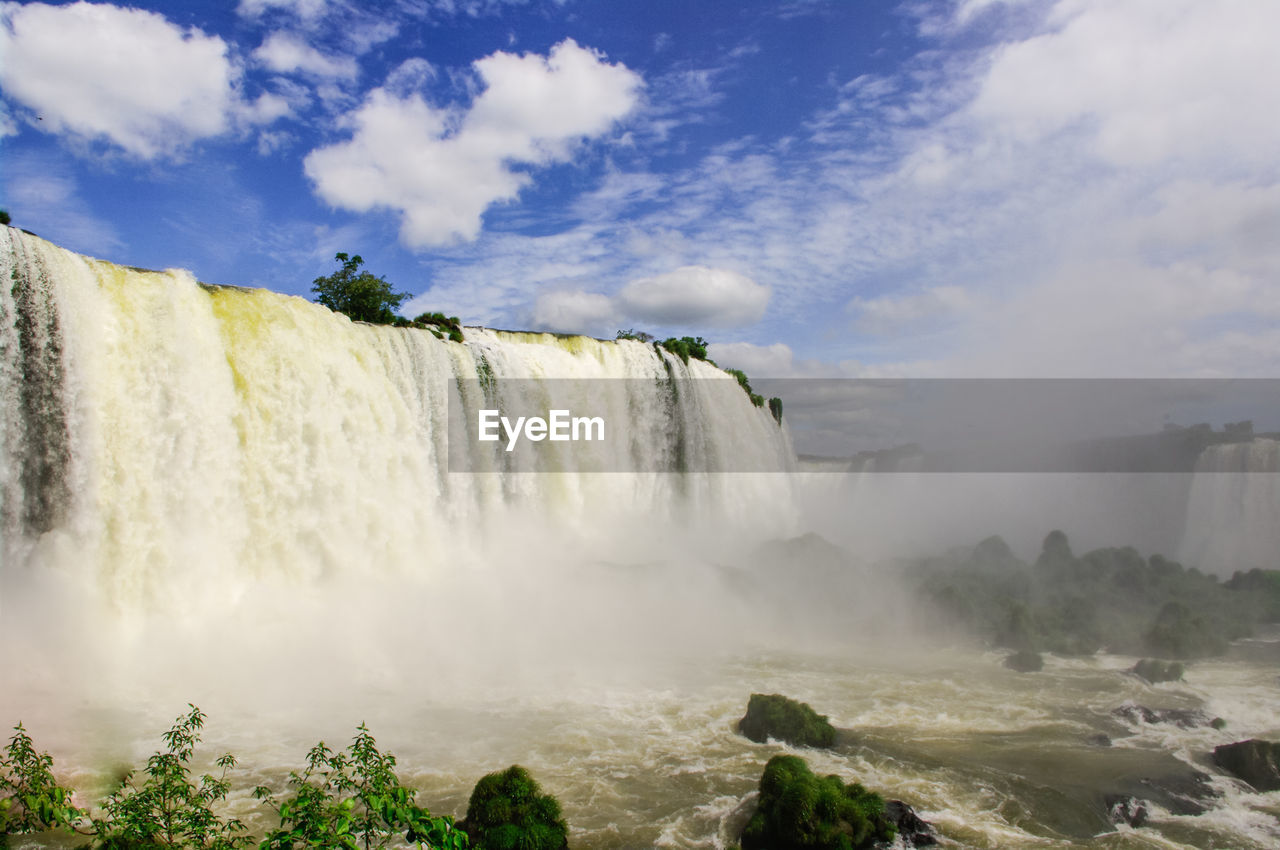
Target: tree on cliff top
(361,295)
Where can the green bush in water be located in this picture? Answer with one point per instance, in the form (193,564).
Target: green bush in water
(508,811)
(800,811)
(776,716)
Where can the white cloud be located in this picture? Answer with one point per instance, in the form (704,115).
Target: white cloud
(574,311)
(894,313)
(690,296)
(778,360)
(441,168)
(307,10)
(125,75)
(758,361)
(1144,80)
(286,53)
(695,296)
(409,76)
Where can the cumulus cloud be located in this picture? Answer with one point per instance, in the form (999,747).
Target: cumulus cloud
(442,168)
(695,295)
(286,53)
(690,296)
(574,311)
(1147,80)
(124,75)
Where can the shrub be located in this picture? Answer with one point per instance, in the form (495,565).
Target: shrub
(638,336)
(433,321)
(756,398)
(31,800)
(360,295)
(686,347)
(350,800)
(167,809)
(4,217)
(775,407)
(354,800)
(508,811)
(776,716)
(800,811)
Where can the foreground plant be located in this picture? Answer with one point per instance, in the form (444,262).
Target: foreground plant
(31,800)
(168,809)
(354,800)
(350,800)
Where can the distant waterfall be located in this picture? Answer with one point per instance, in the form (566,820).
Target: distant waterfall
(164,440)
(1233,513)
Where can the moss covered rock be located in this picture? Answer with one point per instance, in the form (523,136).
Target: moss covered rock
(801,811)
(1025,661)
(1155,671)
(775,716)
(508,811)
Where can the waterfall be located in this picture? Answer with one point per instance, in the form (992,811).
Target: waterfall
(1233,513)
(167,444)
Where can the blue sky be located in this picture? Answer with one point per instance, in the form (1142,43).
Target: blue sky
(1084,188)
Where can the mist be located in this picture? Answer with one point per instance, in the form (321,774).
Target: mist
(242,501)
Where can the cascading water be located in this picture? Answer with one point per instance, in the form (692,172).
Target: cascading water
(1233,513)
(164,438)
(181,461)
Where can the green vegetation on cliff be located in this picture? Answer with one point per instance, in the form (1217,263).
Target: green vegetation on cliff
(440,325)
(1110,599)
(362,296)
(686,347)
